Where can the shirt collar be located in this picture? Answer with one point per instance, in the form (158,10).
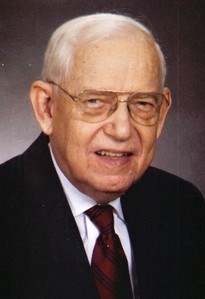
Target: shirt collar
(78,201)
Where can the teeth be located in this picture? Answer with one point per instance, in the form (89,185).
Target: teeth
(111,154)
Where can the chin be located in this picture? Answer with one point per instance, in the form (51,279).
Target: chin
(115,183)
(105,189)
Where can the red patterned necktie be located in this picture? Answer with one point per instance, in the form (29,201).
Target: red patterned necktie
(109,263)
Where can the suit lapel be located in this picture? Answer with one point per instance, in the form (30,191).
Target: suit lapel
(151,222)
(58,261)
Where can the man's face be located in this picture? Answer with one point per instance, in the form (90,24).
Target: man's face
(103,159)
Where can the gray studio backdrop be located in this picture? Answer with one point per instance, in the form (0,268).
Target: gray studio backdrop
(25,27)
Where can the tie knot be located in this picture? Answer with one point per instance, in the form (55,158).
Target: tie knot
(102,217)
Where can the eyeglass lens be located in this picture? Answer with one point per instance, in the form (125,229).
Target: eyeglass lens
(97,106)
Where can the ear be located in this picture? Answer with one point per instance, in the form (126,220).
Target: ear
(40,95)
(164,109)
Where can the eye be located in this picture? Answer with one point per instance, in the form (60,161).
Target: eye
(94,102)
(145,105)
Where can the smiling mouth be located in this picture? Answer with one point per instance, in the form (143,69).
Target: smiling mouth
(113,154)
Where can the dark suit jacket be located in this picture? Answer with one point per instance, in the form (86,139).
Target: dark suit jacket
(41,252)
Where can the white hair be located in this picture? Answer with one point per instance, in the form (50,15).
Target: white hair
(60,51)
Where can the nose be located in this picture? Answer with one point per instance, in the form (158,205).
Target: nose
(118,125)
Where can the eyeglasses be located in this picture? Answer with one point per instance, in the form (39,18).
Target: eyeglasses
(95,106)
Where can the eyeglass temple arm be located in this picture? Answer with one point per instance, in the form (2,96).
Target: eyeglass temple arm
(61,88)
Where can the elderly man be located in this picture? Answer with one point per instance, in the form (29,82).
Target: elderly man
(84,215)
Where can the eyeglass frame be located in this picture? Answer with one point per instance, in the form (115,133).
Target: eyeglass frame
(76,99)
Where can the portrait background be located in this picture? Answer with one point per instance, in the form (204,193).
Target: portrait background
(179,27)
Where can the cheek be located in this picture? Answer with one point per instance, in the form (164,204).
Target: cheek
(148,137)
(70,151)
(77,145)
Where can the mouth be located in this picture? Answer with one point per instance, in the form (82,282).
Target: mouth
(113,158)
(113,154)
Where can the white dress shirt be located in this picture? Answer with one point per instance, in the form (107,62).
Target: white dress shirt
(79,203)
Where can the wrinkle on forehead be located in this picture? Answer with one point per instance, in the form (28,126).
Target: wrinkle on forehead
(124,56)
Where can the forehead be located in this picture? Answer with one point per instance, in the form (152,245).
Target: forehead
(126,62)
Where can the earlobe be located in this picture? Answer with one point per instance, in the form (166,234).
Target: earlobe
(164,110)
(40,95)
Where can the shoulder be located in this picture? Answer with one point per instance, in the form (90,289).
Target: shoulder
(161,182)
(9,168)
(12,172)
(158,188)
